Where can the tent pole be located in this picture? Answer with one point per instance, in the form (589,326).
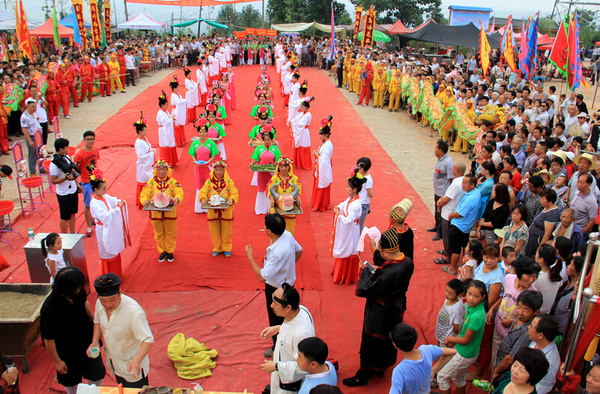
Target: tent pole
(126,13)
(595,93)
(199,17)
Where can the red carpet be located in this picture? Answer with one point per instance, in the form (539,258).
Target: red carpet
(230,321)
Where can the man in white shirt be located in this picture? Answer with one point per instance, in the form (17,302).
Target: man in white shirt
(570,118)
(582,119)
(130,67)
(542,331)
(447,204)
(279,264)
(122,322)
(543,117)
(565,104)
(286,375)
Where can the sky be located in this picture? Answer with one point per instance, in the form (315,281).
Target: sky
(518,9)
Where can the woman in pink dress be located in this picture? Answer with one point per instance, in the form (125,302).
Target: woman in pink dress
(226,98)
(204,151)
(231,87)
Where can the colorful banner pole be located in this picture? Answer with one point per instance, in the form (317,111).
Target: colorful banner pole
(369,27)
(57,42)
(96,27)
(78,10)
(357,19)
(107,21)
(332,50)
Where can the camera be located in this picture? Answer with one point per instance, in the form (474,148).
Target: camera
(66,165)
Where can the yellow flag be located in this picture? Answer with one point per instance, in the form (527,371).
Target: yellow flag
(484,51)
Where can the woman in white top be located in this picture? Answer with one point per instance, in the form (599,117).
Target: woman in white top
(301,136)
(112,224)
(191,97)
(145,157)
(549,280)
(201,76)
(52,251)
(366,193)
(323,175)
(346,233)
(166,133)
(180,110)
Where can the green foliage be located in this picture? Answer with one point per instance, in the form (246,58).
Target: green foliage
(297,11)
(248,17)
(588,29)
(410,12)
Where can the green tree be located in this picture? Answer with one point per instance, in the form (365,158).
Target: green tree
(293,11)
(228,16)
(249,17)
(410,12)
(588,28)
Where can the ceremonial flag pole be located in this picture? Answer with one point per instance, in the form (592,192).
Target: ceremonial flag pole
(484,51)
(332,54)
(57,42)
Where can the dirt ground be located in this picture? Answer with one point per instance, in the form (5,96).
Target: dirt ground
(82,119)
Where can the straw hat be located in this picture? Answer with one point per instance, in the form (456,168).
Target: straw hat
(550,176)
(562,154)
(588,157)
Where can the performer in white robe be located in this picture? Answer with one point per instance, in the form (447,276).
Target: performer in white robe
(112,224)
(346,233)
(294,97)
(180,111)
(213,68)
(191,96)
(323,175)
(201,82)
(145,157)
(166,132)
(301,136)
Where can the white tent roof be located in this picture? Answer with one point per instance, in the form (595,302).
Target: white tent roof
(141,21)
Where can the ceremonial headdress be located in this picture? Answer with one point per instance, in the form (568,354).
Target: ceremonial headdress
(141,122)
(161,164)
(162,99)
(400,211)
(389,240)
(174,83)
(219,163)
(326,125)
(107,285)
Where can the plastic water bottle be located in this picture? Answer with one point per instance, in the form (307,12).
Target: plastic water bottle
(31,234)
(483,385)
(10,365)
(198,389)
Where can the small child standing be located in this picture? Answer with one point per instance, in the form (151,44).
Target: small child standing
(471,260)
(508,256)
(451,315)
(52,251)
(412,374)
(468,342)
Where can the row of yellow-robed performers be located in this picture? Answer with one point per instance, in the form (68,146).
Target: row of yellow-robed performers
(441,110)
(220,184)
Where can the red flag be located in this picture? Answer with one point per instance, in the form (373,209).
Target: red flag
(25,38)
(573,58)
(558,55)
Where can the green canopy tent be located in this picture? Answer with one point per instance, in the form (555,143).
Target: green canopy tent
(377,36)
(210,23)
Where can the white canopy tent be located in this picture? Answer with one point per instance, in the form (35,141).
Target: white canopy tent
(143,22)
(298,27)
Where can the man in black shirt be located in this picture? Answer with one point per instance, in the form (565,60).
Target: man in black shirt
(581,105)
(67,327)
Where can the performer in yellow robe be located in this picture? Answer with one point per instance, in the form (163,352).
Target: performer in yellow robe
(115,74)
(285,177)
(164,222)
(380,87)
(220,220)
(350,75)
(357,72)
(460,140)
(447,99)
(395,91)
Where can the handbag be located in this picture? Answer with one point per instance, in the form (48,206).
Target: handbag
(293,386)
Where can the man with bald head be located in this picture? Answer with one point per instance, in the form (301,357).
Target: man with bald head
(447,204)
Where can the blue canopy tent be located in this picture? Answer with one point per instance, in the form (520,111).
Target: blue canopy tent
(70,21)
(210,23)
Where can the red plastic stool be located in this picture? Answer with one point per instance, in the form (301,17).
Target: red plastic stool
(6,207)
(33,182)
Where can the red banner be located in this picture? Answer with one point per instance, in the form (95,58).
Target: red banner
(25,38)
(96,28)
(107,20)
(250,31)
(271,33)
(369,28)
(239,34)
(261,32)
(357,19)
(78,7)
